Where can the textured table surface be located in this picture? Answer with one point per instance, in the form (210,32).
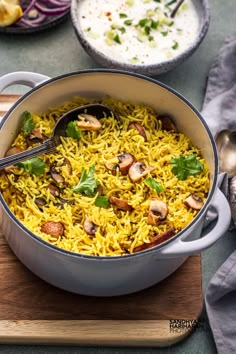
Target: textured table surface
(57,51)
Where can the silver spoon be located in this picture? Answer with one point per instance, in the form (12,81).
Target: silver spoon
(226,145)
(97,110)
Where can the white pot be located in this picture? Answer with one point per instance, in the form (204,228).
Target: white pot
(109,276)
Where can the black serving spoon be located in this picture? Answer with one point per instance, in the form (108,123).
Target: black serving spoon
(96,110)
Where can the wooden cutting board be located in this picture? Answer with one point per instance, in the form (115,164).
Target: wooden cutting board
(34,312)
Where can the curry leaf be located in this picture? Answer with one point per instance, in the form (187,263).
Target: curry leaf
(184,166)
(87,183)
(73,131)
(34,166)
(102,201)
(154,184)
(28,123)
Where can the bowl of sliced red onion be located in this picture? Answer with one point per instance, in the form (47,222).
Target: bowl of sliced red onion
(36,15)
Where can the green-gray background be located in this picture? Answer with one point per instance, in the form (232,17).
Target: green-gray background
(57,51)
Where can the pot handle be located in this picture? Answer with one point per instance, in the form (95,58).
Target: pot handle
(180,247)
(23,78)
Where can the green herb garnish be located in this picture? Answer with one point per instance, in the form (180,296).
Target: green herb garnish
(73,131)
(154,24)
(164,33)
(117,39)
(87,183)
(128,22)
(122,29)
(28,123)
(154,184)
(183,166)
(34,166)
(102,201)
(147,29)
(143,22)
(123,15)
(175,45)
(170,2)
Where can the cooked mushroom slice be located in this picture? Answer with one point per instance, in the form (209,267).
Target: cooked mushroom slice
(68,164)
(89,227)
(167,123)
(157,211)
(125,162)
(122,161)
(56,176)
(156,240)
(53,228)
(12,151)
(139,128)
(54,190)
(194,202)
(120,204)
(112,165)
(40,202)
(64,201)
(35,137)
(88,122)
(139,170)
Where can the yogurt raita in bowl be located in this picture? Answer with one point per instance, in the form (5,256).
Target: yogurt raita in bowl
(140,35)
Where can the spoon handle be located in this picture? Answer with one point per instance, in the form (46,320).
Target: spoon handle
(47,146)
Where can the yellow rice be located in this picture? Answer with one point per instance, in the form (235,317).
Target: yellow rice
(118,232)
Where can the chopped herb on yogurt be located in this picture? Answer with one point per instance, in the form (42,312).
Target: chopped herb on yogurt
(170,3)
(128,22)
(164,33)
(175,45)
(140,31)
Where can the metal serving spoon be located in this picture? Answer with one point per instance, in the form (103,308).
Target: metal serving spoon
(226,145)
(96,110)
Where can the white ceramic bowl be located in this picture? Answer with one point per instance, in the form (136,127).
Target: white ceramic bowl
(202,10)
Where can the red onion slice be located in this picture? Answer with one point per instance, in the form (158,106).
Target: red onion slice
(44,8)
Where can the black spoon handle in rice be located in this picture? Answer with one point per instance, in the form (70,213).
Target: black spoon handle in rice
(46,147)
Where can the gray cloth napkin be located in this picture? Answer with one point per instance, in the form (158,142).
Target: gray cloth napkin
(219,111)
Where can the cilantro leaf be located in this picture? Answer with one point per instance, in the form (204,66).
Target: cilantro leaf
(175,45)
(154,184)
(128,22)
(73,131)
(102,201)
(87,183)
(34,166)
(117,39)
(28,123)
(143,22)
(183,166)
(154,24)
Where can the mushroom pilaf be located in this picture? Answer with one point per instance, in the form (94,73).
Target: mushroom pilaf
(112,186)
